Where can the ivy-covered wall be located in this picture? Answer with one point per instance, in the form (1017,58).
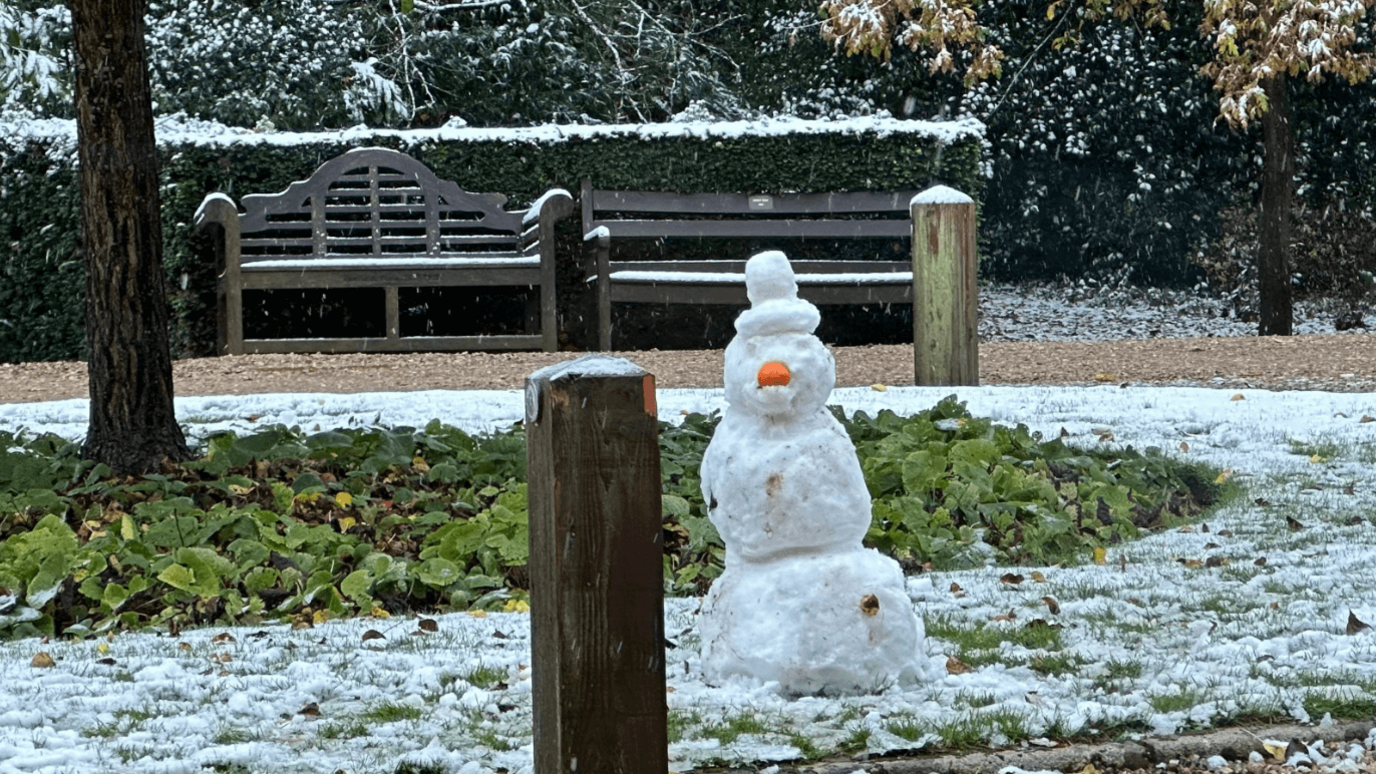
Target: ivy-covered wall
(41,276)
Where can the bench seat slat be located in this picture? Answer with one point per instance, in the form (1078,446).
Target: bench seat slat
(403,344)
(386,239)
(726,278)
(734,293)
(800,267)
(744,229)
(400,262)
(830,204)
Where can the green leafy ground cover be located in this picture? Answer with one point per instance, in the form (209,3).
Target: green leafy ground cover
(282,524)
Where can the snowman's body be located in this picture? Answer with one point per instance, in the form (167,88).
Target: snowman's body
(801,601)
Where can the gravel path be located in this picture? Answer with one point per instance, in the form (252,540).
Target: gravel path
(1029,334)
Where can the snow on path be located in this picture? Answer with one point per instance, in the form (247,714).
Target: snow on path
(1152,644)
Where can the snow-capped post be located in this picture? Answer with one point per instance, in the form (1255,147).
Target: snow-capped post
(945,297)
(596,569)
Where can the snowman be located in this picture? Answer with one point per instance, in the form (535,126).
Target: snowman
(802,602)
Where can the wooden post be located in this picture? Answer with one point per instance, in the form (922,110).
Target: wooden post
(945,297)
(596,569)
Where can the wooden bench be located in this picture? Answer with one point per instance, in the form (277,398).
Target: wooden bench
(617,216)
(377,218)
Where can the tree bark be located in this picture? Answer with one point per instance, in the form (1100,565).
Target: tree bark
(1277,194)
(133,426)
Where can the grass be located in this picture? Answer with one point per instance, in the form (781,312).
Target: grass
(1351,704)
(231,735)
(343,729)
(907,727)
(1321,450)
(733,727)
(486,677)
(806,747)
(1180,699)
(679,722)
(488,738)
(391,712)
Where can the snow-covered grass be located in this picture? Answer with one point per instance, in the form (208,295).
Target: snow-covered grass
(1178,630)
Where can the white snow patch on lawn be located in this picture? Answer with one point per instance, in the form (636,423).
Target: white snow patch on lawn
(1148,643)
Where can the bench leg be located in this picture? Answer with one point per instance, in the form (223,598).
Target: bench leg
(234,318)
(604,295)
(393,313)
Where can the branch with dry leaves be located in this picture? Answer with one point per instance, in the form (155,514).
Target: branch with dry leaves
(1251,41)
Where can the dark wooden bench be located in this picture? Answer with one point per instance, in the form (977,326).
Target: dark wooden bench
(377,218)
(617,216)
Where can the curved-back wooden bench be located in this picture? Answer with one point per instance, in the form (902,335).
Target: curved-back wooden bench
(377,218)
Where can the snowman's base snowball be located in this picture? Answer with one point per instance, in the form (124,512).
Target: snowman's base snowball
(834,623)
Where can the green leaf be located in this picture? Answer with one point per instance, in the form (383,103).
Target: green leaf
(675,506)
(356,584)
(178,577)
(923,471)
(438,573)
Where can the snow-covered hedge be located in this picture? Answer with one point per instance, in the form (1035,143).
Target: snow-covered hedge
(1105,159)
(41,277)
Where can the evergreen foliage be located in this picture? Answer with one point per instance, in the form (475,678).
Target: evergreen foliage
(1104,159)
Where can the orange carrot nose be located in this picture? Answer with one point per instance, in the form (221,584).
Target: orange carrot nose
(773,374)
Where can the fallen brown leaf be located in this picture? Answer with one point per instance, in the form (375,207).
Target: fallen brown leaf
(1052,606)
(1010,578)
(42,660)
(955,666)
(1354,624)
(428,625)
(1293,524)
(373,634)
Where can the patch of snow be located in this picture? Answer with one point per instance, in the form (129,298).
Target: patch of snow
(179,129)
(941,194)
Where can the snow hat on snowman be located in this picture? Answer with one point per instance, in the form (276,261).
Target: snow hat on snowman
(775,364)
(774,303)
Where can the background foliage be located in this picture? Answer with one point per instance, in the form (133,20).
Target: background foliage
(1104,160)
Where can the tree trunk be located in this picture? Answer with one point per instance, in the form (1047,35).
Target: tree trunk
(133,426)
(1277,193)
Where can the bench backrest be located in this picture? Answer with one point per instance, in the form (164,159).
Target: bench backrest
(381,203)
(652,214)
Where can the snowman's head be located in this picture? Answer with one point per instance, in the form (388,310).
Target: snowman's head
(774,365)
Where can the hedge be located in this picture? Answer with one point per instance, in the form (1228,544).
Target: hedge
(41,307)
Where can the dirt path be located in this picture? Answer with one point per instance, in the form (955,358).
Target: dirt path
(1345,362)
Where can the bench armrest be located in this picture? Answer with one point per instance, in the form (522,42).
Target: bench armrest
(557,202)
(216,207)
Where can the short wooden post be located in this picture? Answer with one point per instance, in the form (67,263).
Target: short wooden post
(945,297)
(596,569)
